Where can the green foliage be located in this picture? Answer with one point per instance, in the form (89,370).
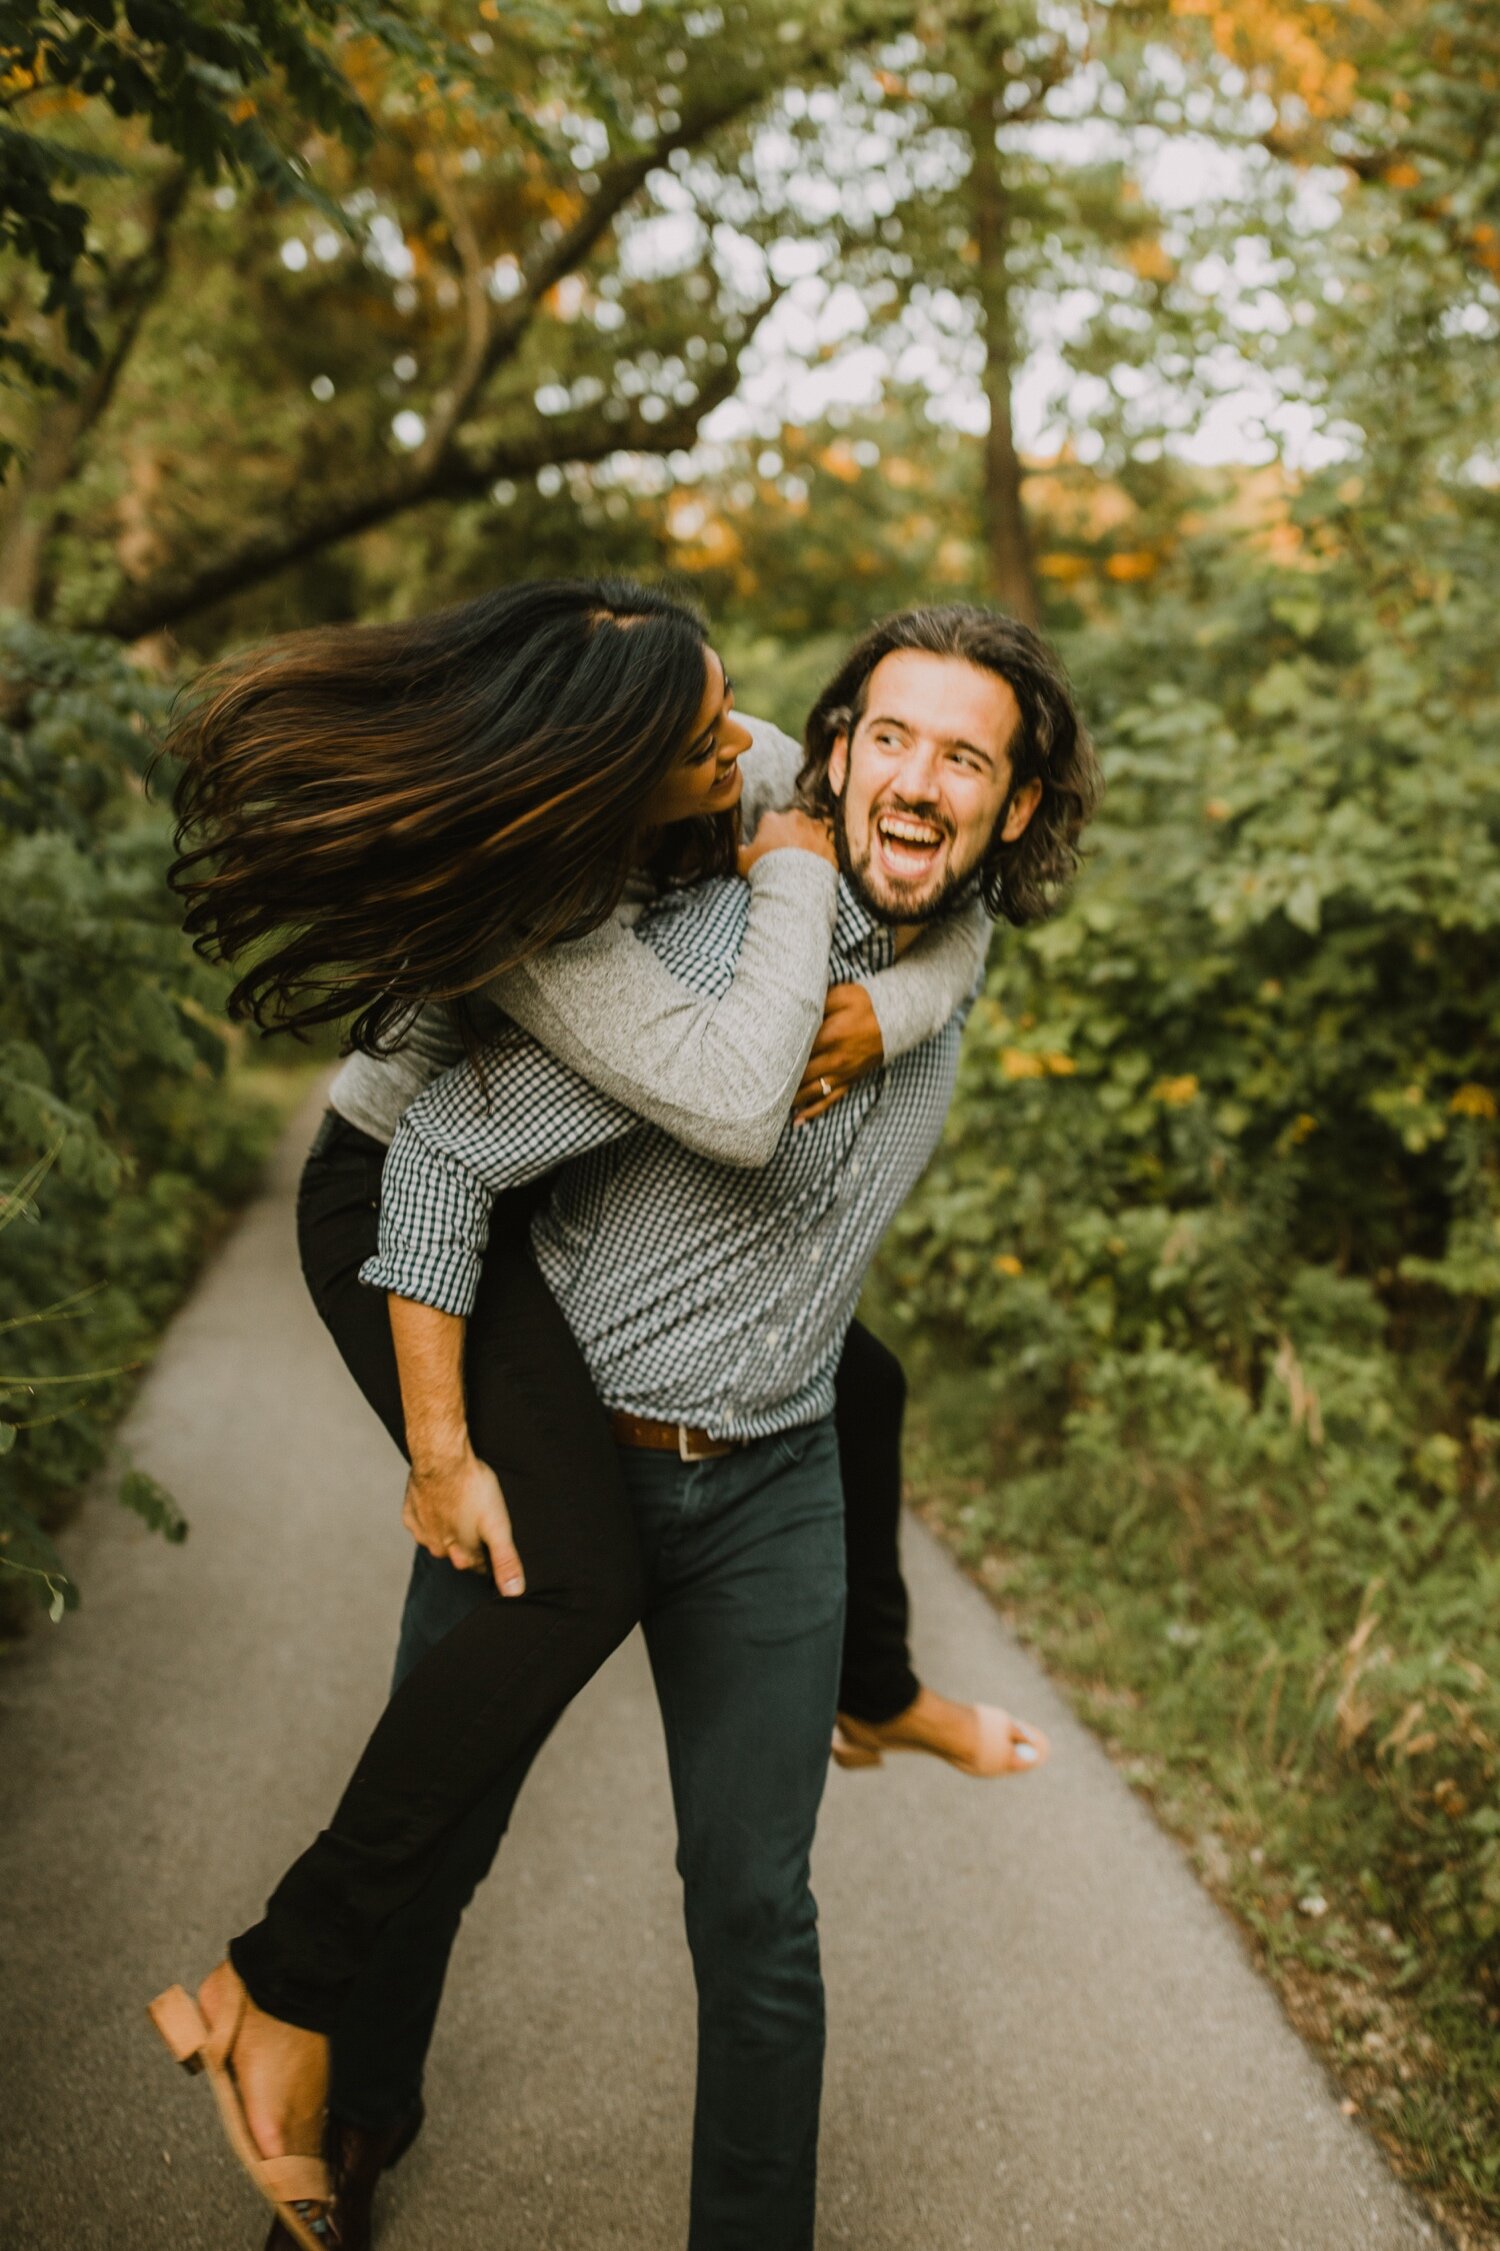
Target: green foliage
(119,1145)
(195,76)
(1216,1229)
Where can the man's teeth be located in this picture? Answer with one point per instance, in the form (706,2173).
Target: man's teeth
(909,832)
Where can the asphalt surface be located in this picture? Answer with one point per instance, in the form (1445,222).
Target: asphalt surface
(1042,2032)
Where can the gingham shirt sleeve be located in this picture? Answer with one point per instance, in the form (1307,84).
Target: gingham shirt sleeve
(480,1129)
(914,999)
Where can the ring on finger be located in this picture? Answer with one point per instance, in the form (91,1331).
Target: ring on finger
(827,1087)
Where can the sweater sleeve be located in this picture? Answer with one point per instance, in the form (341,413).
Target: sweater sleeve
(717,1074)
(914,999)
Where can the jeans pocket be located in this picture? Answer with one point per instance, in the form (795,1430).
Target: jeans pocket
(791,1446)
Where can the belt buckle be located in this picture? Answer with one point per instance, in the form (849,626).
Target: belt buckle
(683,1454)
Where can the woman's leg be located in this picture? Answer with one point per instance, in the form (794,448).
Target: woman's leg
(882,1704)
(488,1689)
(869,1402)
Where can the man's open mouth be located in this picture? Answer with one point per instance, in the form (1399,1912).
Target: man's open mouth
(910,848)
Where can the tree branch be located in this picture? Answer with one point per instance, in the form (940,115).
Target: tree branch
(472,367)
(589,435)
(440,466)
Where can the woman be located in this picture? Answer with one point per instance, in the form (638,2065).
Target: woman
(408,813)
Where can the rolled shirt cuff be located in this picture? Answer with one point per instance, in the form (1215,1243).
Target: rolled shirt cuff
(434,1227)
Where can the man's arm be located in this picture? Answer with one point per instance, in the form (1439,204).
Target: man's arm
(483,1127)
(453,1505)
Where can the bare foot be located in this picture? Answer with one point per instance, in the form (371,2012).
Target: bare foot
(280,2070)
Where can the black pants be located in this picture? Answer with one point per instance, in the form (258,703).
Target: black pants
(484,1695)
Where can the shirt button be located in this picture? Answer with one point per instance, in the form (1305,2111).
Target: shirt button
(773,1336)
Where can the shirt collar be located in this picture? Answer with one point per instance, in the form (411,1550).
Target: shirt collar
(859,933)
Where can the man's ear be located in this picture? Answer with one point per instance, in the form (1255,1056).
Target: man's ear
(1020,810)
(838,763)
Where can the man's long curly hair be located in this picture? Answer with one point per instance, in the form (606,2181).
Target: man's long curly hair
(1021,881)
(371,817)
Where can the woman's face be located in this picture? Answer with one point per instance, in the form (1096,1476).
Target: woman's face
(706,776)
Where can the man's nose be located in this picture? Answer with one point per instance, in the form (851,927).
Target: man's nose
(918,778)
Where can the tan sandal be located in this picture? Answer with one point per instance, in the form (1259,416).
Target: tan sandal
(298,2187)
(1004,1745)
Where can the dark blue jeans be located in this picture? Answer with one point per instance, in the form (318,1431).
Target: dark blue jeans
(744,1572)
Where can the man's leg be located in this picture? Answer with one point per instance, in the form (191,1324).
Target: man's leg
(745,1568)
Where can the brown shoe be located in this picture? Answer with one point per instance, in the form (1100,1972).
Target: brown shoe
(356,2160)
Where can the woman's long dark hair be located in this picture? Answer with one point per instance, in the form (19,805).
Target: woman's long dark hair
(370,817)
(1021,881)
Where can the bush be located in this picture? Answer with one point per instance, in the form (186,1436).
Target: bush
(118,1148)
(1216,1227)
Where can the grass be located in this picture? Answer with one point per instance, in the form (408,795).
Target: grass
(1293,1823)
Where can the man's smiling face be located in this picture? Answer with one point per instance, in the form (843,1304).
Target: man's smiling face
(924,780)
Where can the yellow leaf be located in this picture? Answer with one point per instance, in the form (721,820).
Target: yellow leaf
(1176,1093)
(1140,563)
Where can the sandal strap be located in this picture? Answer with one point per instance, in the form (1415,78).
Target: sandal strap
(995,1750)
(295,2180)
(219,2046)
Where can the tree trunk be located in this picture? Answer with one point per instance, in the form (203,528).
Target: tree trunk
(1007,538)
(32,500)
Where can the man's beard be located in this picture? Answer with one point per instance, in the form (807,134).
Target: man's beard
(957,884)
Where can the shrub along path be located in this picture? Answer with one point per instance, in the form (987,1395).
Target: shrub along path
(1042,2032)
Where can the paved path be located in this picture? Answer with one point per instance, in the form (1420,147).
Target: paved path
(1044,2037)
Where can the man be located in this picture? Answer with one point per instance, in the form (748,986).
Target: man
(710,1305)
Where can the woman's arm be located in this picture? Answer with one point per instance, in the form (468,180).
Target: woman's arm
(721,1075)
(914,1000)
(886,1014)
(717,1074)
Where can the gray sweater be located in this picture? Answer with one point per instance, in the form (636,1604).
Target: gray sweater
(717,1074)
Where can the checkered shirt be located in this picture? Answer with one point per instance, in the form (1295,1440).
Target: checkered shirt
(699,1293)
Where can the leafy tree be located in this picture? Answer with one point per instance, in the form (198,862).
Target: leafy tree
(194,77)
(511,300)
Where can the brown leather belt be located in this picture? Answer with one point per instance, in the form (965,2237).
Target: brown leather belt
(681,1439)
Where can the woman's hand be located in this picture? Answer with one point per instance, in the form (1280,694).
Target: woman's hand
(455,1509)
(789,831)
(847,1048)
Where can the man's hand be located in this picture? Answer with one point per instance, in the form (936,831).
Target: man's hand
(790,831)
(454,1506)
(847,1048)
(457,1510)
